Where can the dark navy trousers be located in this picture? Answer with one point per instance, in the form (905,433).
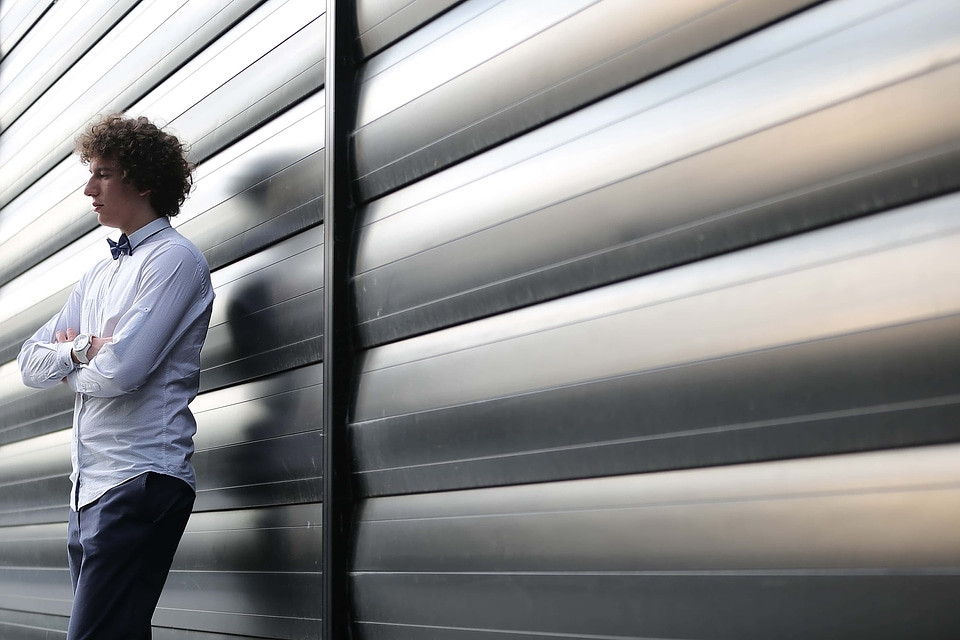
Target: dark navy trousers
(120,549)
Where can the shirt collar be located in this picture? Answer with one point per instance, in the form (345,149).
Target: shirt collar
(137,237)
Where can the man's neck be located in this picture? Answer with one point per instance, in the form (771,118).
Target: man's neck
(139,223)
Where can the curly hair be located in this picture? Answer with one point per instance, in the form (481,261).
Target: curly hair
(146,156)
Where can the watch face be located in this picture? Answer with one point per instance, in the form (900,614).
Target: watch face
(81,342)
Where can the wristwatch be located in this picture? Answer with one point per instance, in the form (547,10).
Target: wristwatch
(80,345)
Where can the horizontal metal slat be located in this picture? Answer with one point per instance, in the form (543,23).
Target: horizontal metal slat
(805,548)
(502,71)
(830,513)
(252,467)
(29,413)
(257,444)
(881,389)
(265,187)
(610,380)
(781,288)
(61,36)
(381,23)
(18,16)
(268,314)
(709,158)
(265,64)
(672,606)
(256,564)
(37,546)
(151,42)
(32,626)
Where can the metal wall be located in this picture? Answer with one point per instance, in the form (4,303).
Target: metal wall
(626,273)
(241,80)
(654,311)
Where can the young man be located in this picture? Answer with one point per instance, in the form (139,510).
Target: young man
(128,343)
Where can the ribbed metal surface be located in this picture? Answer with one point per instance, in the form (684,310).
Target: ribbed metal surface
(577,339)
(63,34)
(380,23)
(17,17)
(267,317)
(34,480)
(224,558)
(261,189)
(487,71)
(655,324)
(767,137)
(840,339)
(270,60)
(212,102)
(242,82)
(28,413)
(150,43)
(800,549)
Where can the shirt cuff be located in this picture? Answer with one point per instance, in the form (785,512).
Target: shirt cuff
(65,355)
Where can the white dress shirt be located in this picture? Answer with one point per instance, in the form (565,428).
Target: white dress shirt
(131,413)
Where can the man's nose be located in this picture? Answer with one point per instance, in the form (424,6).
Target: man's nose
(88,190)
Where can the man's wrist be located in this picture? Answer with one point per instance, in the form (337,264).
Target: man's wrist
(81,346)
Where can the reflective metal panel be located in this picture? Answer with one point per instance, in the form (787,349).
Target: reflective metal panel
(260,443)
(470,81)
(244,571)
(53,212)
(240,82)
(713,156)
(45,592)
(268,313)
(40,546)
(248,572)
(37,458)
(45,218)
(265,187)
(263,65)
(261,557)
(58,39)
(792,549)
(150,43)
(27,412)
(381,23)
(33,477)
(33,578)
(16,19)
(601,265)
(746,604)
(32,626)
(723,360)
(33,297)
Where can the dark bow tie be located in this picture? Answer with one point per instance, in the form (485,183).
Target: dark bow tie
(120,248)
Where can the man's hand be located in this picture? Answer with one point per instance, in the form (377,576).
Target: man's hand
(95,345)
(66,336)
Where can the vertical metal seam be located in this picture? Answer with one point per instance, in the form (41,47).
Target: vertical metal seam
(337,344)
